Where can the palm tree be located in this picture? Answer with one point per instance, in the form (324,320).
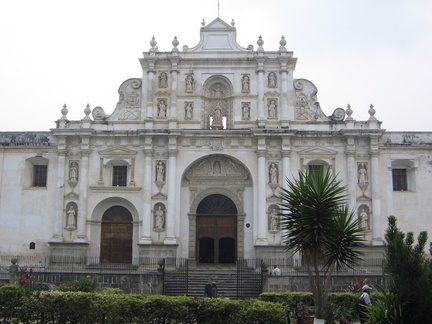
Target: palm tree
(317,223)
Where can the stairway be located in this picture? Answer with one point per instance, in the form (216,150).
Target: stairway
(226,279)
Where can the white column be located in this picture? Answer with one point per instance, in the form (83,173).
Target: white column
(60,183)
(261,116)
(82,203)
(376,201)
(286,168)
(150,82)
(351,179)
(284,97)
(171,208)
(261,200)
(147,208)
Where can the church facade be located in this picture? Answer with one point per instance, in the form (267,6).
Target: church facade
(190,162)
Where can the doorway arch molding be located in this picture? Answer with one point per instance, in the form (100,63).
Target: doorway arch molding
(193,215)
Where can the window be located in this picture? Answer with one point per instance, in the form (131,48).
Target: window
(403,175)
(315,168)
(119,176)
(400,182)
(40,175)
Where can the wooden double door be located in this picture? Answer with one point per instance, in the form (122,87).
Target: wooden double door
(216,228)
(116,235)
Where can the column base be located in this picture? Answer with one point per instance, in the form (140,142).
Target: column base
(145,240)
(378,241)
(56,238)
(81,239)
(261,242)
(170,241)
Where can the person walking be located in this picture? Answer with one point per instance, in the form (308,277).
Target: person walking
(208,288)
(276,271)
(364,303)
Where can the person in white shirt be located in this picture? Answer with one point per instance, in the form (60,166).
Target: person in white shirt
(276,271)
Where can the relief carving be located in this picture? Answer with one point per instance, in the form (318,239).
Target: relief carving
(190,83)
(159,217)
(272,108)
(129,100)
(245,83)
(161,108)
(163,80)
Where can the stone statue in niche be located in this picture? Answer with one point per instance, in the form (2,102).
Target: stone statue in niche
(272,109)
(73,171)
(160,171)
(163,80)
(217,117)
(71,218)
(245,111)
(364,218)
(217,168)
(272,80)
(245,83)
(162,109)
(159,219)
(188,110)
(273,174)
(362,176)
(189,83)
(273,220)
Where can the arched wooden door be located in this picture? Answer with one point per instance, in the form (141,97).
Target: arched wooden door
(216,228)
(116,235)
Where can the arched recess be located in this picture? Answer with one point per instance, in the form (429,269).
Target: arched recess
(97,220)
(216,174)
(218,103)
(216,228)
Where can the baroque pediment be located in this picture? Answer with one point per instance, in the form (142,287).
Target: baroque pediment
(117,152)
(317,151)
(216,167)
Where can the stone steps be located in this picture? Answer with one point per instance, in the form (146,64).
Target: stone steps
(229,284)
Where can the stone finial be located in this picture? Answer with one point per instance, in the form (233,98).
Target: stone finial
(282,43)
(87,112)
(203,23)
(232,22)
(260,43)
(64,112)
(349,112)
(175,43)
(153,42)
(372,112)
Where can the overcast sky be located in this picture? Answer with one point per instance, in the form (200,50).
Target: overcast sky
(78,52)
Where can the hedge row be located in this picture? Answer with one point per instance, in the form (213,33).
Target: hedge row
(342,303)
(81,307)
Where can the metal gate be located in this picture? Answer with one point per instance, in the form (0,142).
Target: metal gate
(176,273)
(249,278)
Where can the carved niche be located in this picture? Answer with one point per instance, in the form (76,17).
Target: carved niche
(217,171)
(218,103)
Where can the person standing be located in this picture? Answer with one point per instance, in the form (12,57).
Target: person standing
(364,303)
(208,288)
(214,290)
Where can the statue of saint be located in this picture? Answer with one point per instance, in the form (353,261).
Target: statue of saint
(189,83)
(245,83)
(162,109)
(272,109)
(364,218)
(273,172)
(272,80)
(160,171)
(273,219)
(163,80)
(362,174)
(73,172)
(246,112)
(188,111)
(71,219)
(159,221)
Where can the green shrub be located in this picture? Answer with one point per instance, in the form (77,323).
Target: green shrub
(11,299)
(85,284)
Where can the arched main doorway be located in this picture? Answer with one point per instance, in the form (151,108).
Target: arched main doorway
(116,235)
(216,228)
